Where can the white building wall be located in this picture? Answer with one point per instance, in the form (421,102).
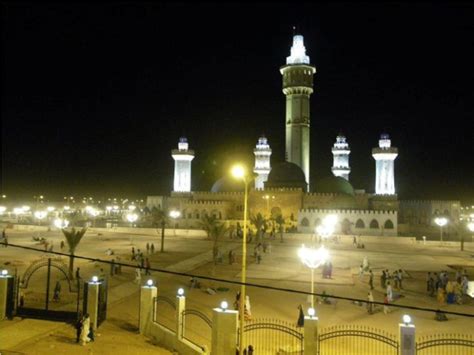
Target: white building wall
(312,216)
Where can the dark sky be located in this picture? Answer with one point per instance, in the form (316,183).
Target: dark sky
(94,97)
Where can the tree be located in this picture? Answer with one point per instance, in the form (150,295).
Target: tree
(208,223)
(280,221)
(217,232)
(159,218)
(73,238)
(260,223)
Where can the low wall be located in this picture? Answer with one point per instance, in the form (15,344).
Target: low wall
(348,239)
(168,339)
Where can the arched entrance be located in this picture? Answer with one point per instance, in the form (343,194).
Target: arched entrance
(46,292)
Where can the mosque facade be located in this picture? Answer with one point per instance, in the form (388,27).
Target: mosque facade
(283,189)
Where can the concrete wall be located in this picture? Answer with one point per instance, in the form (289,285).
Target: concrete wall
(167,338)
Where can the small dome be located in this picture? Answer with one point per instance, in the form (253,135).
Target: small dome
(228,184)
(334,185)
(286,175)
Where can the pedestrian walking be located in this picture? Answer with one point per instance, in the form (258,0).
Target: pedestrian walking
(147,267)
(78,273)
(119,265)
(85,329)
(371,279)
(361,272)
(57,291)
(78,327)
(231,257)
(152,248)
(61,245)
(400,278)
(370,303)
(147,248)
(138,276)
(300,322)
(383,279)
(112,267)
(247,309)
(389,292)
(385,304)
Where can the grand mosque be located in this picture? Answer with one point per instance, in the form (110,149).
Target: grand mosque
(283,189)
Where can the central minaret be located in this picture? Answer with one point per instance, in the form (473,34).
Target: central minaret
(262,168)
(182,166)
(298,86)
(384,157)
(341,152)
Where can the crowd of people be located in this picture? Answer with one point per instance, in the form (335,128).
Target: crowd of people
(447,291)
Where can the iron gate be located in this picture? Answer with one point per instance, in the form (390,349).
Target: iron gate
(31,306)
(446,344)
(356,340)
(271,336)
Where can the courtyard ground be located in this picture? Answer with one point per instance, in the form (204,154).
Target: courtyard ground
(280,268)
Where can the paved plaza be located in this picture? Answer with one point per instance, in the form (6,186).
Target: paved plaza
(280,268)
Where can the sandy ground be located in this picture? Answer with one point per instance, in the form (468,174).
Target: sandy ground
(281,268)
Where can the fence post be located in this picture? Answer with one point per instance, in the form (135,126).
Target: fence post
(147,298)
(93,302)
(6,295)
(310,335)
(180,307)
(407,339)
(224,331)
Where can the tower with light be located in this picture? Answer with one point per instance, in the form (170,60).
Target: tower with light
(340,152)
(262,167)
(385,156)
(182,166)
(297,87)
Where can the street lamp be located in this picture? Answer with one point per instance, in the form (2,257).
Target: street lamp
(313,258)
(132,217)
(441,222)
(470,226)
(39,215)
(175,214)
(326,228)
(238,172)
(61,223)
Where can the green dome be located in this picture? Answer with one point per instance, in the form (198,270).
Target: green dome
(228,184)
(334,185)
(286,174)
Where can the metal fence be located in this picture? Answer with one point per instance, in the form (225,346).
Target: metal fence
(445,344)
(164,312)
(197,328)
(356,340)
(272,336)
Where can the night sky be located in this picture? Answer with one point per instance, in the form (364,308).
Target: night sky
(94,97)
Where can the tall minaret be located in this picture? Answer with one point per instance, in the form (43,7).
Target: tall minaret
(182,166)
(341,152)
(297,86)
(384,157)
(262,168)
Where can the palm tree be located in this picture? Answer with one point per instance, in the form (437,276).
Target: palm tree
(159,218)
(73,239)
(208,223)
(217,232)
(260,223)
(280,221)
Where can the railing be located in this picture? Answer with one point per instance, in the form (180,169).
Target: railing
(355,340)
(163,315)
(196,333)
(272,336)
(446,344)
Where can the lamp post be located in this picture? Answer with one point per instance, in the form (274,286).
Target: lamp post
(441,222)
(470,226)
(313,258)
(39,215)
(239,172)
(175,214)
(132,217)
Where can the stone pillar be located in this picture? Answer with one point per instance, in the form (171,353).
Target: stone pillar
(4,294)
(310,335)
(93,302)
(147,299)
(407,339)
(180,307)
(224,331)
